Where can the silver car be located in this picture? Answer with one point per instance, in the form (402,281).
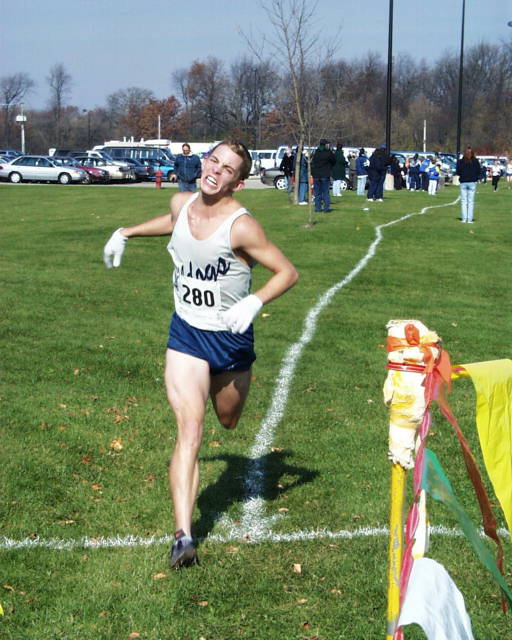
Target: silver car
(40,169)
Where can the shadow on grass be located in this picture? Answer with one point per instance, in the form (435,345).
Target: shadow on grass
(231,486)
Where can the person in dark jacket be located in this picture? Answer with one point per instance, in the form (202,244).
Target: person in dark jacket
(414,173)
(377,169)
(321,169)
(339,170)
(468,169)
(287,166)
(187,168)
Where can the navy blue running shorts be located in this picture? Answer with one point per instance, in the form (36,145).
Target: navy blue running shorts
(223,350)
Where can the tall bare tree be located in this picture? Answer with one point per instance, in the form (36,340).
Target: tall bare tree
(59,82)
(13,90)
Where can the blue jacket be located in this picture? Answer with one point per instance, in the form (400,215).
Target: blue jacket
(361,165)
(433,173)
(187,168)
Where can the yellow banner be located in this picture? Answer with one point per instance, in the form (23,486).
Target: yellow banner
(493,384)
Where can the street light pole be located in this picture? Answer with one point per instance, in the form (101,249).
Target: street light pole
(389,78)
(461,69)
(22,118)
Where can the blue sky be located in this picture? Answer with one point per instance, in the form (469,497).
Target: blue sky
(107,45)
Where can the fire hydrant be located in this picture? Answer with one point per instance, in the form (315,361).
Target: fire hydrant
(158,178)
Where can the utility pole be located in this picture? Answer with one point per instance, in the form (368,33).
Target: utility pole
(461,68)
(22,118)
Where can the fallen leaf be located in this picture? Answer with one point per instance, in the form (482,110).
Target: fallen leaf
(8,587)
(95,486)
(265,315)
(305,625)
(62,405)
(214,443)
(116,444)
(276,449)
(160,576)
(203,603)
(283,509)
(297,568)
(302,601)
(336,591)
(134,635)
(76,372)
(103,613)
(85,460)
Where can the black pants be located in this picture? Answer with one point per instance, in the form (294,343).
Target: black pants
(495,180)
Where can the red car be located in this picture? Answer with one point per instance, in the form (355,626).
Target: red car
(94,174)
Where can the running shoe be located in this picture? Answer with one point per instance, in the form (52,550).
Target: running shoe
(183,553)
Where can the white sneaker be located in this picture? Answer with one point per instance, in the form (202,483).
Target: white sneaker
(302,203)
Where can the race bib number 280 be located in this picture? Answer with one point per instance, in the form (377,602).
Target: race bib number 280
(200,295)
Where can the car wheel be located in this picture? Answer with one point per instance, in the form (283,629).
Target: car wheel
(280,183)
(64,178)
(15,177)
(87,179)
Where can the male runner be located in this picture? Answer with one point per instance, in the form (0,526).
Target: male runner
(214,244)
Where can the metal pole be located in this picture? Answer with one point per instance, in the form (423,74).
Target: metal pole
(389,78)
(461,67)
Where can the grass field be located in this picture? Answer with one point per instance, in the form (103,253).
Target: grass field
(86,430)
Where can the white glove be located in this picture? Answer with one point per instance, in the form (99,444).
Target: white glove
(242,313)
(113,251)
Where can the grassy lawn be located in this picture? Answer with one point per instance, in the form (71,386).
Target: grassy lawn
(87,432)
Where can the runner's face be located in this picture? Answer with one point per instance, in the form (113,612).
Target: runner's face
(221,172)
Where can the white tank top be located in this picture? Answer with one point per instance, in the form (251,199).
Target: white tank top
(208,277)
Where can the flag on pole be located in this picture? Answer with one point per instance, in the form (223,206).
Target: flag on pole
(434,602)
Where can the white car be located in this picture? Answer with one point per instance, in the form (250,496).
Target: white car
(40,169)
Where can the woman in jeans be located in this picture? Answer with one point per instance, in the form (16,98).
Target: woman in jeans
(468,169)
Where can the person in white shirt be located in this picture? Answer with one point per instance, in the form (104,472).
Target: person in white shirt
(214,245)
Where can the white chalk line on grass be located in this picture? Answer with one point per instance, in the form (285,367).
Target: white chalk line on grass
(253,522)
(118,542)
(253,526)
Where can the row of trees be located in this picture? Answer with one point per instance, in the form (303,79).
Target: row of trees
(297,91)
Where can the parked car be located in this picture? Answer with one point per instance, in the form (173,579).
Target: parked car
(142,170)
(94,174)
(40,169)
(275,177)
(117,171)
(10,154)
(165,166)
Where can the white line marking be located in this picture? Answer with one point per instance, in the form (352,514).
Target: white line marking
(253,521)
(56,544)
(253,527)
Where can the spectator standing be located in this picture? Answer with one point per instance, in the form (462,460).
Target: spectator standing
(287,166)
(425,164)
(496,174)
(433,178)
(352,171)
(339,170)
(508,173)
(414,173)
(377,169)
(362,171)
(468,169)
(187,168)
(303,179)
(321,169)
(396,172)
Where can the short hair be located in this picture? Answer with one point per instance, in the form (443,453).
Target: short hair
(242,152)
(185,144)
